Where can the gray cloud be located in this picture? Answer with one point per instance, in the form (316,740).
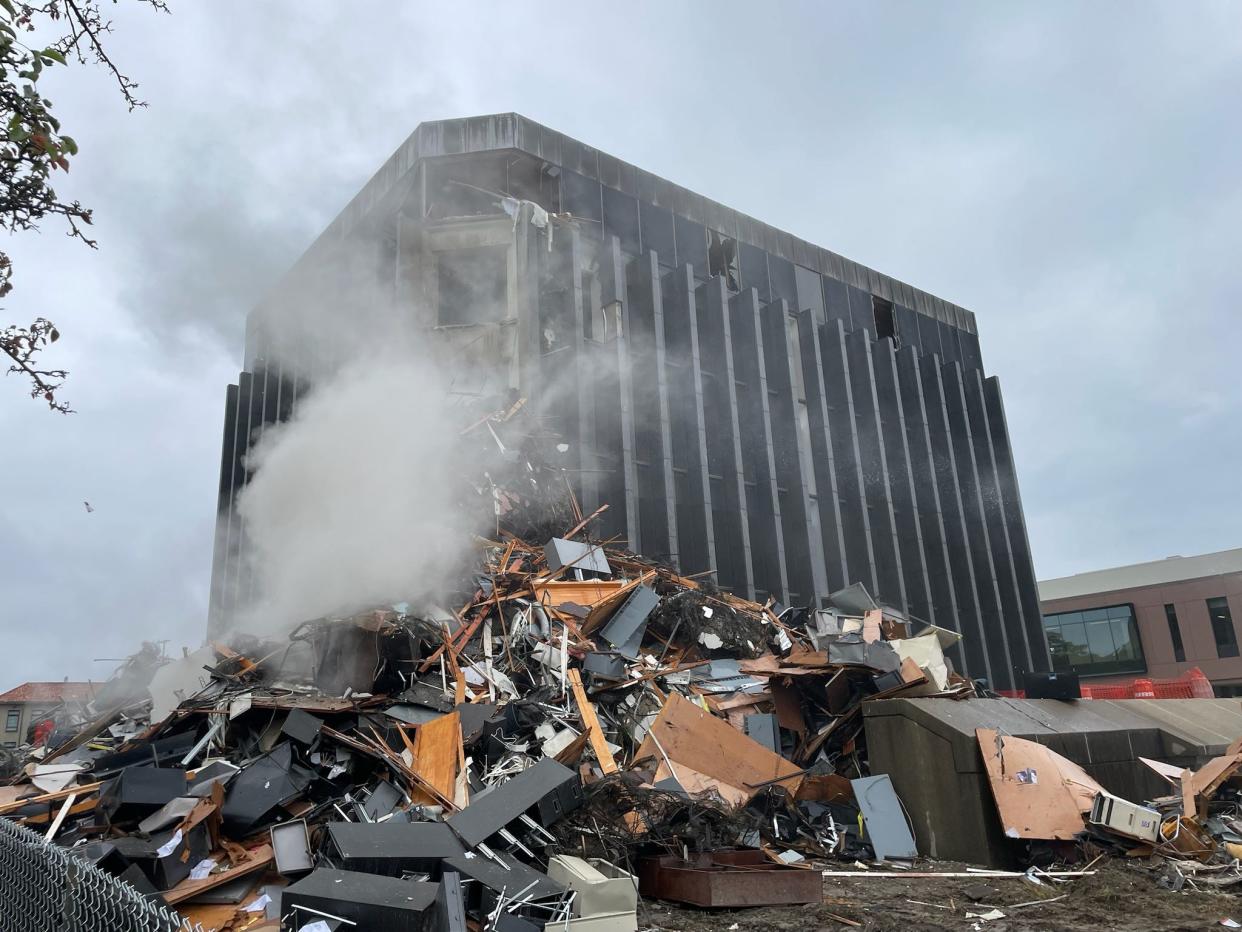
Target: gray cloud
(1065,170)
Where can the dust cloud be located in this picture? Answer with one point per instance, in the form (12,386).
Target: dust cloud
(353,502)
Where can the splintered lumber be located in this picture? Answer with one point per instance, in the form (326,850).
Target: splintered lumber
(590,722)
(383,753)
(255,860)
(584,522)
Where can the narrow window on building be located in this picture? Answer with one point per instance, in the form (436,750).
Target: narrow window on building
(1222,627)
(472,285)
(1175,634)
(12,719)
(885,322)
(722,259)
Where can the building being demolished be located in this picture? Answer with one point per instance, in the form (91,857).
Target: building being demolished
(582,726)
(749,404)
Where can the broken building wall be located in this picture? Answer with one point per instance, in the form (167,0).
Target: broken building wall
(719,381)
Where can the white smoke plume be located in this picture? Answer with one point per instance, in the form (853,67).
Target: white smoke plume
(353,501)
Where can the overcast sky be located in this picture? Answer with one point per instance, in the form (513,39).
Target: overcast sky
(1068,171)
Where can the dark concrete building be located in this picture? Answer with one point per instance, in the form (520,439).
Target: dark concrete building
(1158,619)
(744,400)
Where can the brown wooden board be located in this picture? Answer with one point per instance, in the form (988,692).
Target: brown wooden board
(436,751)
(599,744)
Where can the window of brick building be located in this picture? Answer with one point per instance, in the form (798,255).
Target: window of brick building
(1222,627)
(1175,634)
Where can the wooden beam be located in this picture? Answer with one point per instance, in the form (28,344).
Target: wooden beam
(591,723)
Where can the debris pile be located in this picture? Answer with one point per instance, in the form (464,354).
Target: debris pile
(1193,834)
(583,725)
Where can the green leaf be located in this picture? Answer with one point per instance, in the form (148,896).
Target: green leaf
(69,144)
(51,53)
(8,6)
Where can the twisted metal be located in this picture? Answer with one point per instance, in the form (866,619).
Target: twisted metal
(44,888)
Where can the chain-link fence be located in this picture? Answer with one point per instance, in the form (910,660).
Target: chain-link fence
(43,888)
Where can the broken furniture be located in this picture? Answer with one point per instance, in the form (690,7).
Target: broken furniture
(521,807)
(391,848)
(362,901)
(605,896)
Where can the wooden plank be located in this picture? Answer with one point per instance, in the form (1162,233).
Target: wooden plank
(569,535)
(50,797)
(590,722)
(60,817)
(78,807)
(436,752)
(738,701)
(256,859)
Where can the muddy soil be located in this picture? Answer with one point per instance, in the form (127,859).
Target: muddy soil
(1122,896)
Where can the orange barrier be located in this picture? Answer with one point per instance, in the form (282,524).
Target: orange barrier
(1194,685)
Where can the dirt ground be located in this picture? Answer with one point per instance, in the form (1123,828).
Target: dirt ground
(1121,896)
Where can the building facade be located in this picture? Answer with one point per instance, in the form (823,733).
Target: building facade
(745,402)
(29,703)
(1158,619)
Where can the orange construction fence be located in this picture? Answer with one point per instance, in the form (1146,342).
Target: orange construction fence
(1194,685)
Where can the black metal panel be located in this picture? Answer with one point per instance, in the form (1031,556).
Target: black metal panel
(1012,614)
(957,532)
(621,219)
(753,263)
(691,243)
(862,312)
(842,421)
(803,549)
(890,586)
(717,371)
(949,349)
(907,326)
(644,331)
(1020,546)
(614,408)
(828,497)
(943,609)
(979,540)
(901,481)
(656,224)
(972,358)
(784,281)
(836,301)
(758,450)
(688,432)
(810,293)
(582,197)
(929,336)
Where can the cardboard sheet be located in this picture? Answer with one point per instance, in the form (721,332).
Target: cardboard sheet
(1038,793)
(712,753)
